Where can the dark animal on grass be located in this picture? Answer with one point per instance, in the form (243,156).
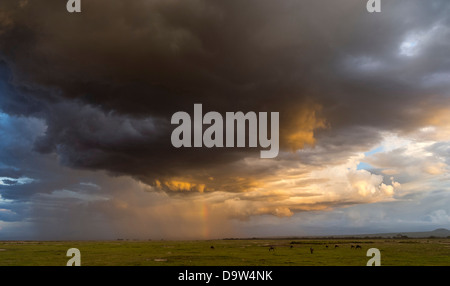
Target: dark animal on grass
(326,246)
(352,246)
(336,246)
(358,246)
(212,247)
(311,249)
(271,248)
(291,246)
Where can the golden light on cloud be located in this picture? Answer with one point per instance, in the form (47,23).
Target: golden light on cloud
(439,117)
(437,168)
(179,185)
(300,128)
(434,120)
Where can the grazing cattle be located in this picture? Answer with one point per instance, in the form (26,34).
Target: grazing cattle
(311,249)
(212,247)
(358,246)
(352,246)
(326,246)
(336,246)
(271,248)
(291,246)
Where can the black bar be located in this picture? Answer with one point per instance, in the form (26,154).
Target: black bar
(277,275)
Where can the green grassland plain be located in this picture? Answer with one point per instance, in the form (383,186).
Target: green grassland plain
(233,252)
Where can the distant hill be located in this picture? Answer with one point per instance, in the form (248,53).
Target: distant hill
(440,232)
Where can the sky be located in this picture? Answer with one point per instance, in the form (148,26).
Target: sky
(86,101)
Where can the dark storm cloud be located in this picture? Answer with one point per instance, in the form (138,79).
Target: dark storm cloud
(107,81)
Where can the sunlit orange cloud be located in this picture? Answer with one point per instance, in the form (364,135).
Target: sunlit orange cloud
(180,185)
(439,118)
(433,120)
(284,192)
(300,126)
(437,168)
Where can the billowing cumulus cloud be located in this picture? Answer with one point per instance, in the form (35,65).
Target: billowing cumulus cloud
(87,98)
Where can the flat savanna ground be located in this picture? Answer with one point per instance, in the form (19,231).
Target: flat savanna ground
(394,252)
